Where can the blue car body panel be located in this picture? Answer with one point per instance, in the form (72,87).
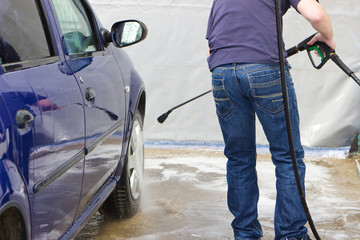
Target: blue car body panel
(13,192)
(57,135)
(58,169)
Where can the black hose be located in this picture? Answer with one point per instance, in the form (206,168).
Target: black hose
(288,122)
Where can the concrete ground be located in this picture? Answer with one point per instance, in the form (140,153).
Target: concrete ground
(185,197)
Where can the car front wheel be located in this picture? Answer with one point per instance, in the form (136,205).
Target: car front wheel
(124,202)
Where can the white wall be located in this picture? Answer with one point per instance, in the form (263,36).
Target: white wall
(172,62)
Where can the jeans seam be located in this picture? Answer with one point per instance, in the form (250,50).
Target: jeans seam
(237,82)
(278,111)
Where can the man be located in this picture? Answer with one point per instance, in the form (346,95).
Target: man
(243,59)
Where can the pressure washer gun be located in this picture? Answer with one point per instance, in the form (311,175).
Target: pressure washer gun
(323,53)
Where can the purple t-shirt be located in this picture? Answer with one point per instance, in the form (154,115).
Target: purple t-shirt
(244,31)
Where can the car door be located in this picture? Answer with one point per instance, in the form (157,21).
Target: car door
(102,87)
(44,99)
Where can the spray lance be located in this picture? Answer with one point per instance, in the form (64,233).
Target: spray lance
(323,52)
(164,116)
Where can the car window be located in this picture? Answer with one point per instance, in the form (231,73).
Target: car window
(78,35)
(22,36)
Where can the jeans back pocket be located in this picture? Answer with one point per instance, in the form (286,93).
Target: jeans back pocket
(224,106)
(266,89)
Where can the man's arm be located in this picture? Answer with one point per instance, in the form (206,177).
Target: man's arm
(319,19)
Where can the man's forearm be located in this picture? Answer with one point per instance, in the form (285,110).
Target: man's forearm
(319,19)
(317,16)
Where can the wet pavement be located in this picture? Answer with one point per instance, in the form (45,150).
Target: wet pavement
(185,197)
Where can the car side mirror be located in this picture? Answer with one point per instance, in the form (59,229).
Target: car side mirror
(126,33)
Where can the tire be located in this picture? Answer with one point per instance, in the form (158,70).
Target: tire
(11,226)
(124,201)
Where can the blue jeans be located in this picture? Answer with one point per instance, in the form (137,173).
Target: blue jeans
(241,91)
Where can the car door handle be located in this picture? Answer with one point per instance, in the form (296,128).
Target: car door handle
(90,95)
(24,118)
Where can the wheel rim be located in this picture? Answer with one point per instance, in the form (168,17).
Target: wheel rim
(136,160)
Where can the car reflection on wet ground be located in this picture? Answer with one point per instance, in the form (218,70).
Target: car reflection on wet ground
(185,197)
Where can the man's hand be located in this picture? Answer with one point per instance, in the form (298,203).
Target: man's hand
(319,38)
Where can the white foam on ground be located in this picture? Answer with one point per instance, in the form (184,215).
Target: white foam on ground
(326,207)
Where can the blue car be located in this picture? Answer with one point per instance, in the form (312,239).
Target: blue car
(72,109)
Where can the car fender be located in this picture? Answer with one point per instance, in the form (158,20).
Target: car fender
(137,94)
(135,97)
(13,192)
(133,83)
